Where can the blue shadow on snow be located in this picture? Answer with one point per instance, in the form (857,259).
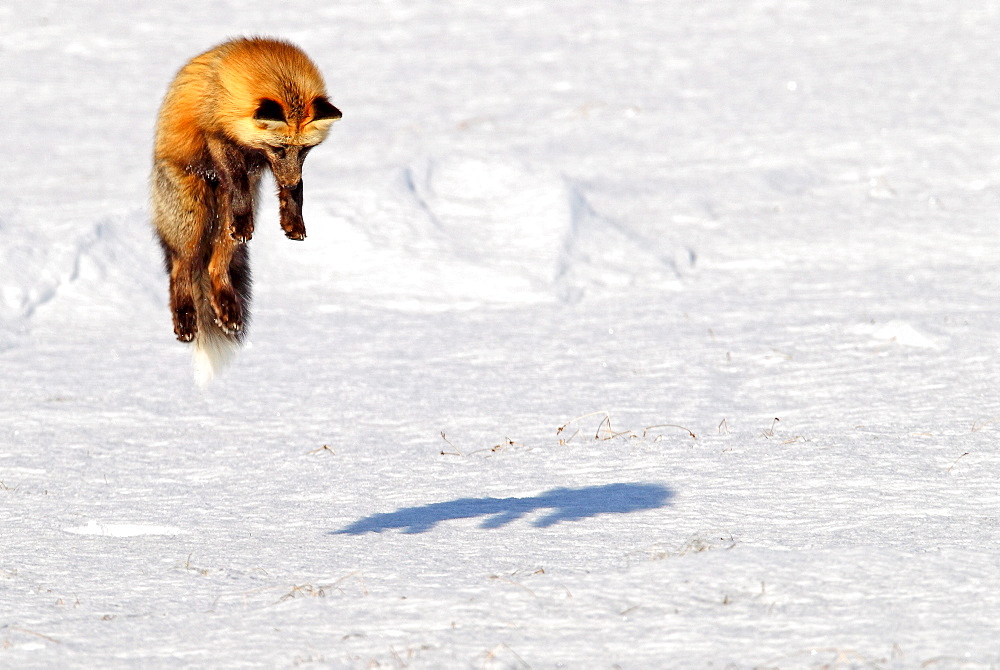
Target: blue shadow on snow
(565,505)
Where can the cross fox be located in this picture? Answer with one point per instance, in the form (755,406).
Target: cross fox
(241,107)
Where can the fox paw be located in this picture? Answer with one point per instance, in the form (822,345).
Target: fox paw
(185,324)
(242,228)
(294,227)
(228,314)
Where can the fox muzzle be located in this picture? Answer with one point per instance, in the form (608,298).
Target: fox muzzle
(286,165)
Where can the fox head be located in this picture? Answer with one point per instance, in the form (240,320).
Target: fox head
(286,134)
(275,102)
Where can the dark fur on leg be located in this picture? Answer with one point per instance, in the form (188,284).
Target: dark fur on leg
(242,280)
(290,211)
(182,307)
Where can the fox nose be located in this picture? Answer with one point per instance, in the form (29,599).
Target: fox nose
(288,181)
(295,192)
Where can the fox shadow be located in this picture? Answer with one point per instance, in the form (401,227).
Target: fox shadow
(563,504)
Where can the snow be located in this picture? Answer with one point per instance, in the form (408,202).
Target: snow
(122,530)
(641,334)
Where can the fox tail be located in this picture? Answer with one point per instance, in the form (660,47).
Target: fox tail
(214,348)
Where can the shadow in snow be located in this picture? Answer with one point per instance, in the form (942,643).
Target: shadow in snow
(563,505)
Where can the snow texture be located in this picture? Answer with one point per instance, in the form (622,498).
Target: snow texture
(633,334)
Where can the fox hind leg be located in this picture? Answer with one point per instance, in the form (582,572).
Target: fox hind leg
(240,280)
(225,302)
(182,306)
(181,204)
(184,315)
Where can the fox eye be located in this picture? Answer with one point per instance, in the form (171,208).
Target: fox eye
(322,109)
(279,152)
(269,110)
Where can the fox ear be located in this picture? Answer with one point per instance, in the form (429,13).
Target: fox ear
(269,110)
(324,111)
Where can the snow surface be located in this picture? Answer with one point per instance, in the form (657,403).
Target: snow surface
(648,334)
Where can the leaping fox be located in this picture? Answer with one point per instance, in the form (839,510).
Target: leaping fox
(241,107)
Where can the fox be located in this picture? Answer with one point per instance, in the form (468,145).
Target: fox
(245,106)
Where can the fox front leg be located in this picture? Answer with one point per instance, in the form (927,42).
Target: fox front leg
(290,211)
(241,207)
(286,166)
(236,188)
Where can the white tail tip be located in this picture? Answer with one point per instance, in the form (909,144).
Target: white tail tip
(213,352)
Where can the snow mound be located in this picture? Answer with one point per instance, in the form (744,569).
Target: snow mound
(494,214)
(456,231)
(602,257)
(65,274)
(534,230)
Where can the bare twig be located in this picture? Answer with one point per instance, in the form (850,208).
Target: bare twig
(450,453)
(506,580)
(606,432)
(507,442)
(492,654)
(606,414)
(610,431)
(670,425)
(956,462)
(565,441)
(769,433)
(976,426)
(31,632)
